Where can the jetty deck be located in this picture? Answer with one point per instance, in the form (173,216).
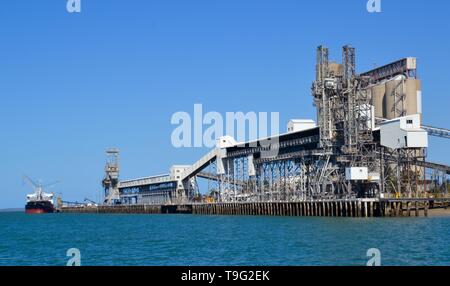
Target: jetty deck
(322,208)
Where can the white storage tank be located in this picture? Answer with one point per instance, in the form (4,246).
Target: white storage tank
(394,89)
(378,98)
(411,104)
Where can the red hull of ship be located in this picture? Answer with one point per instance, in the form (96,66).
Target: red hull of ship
(37,211)
(39,207)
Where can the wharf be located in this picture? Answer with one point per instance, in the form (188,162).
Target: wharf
(318,208)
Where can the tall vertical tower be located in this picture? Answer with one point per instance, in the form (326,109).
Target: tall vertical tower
(349,62)
(321,96)
(111,181)
(345,119)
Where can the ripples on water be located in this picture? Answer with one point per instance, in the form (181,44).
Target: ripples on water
(220,240)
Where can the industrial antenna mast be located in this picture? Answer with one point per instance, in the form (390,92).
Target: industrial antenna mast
(111,181)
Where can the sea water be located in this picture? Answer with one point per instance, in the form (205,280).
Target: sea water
(189,240)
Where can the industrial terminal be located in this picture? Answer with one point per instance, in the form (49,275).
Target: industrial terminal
(365,155)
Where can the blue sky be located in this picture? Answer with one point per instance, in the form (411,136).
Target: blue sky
(72,85)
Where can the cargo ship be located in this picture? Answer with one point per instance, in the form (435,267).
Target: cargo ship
(39,202)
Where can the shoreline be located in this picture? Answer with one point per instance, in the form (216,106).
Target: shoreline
(439,212)
(12,210)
